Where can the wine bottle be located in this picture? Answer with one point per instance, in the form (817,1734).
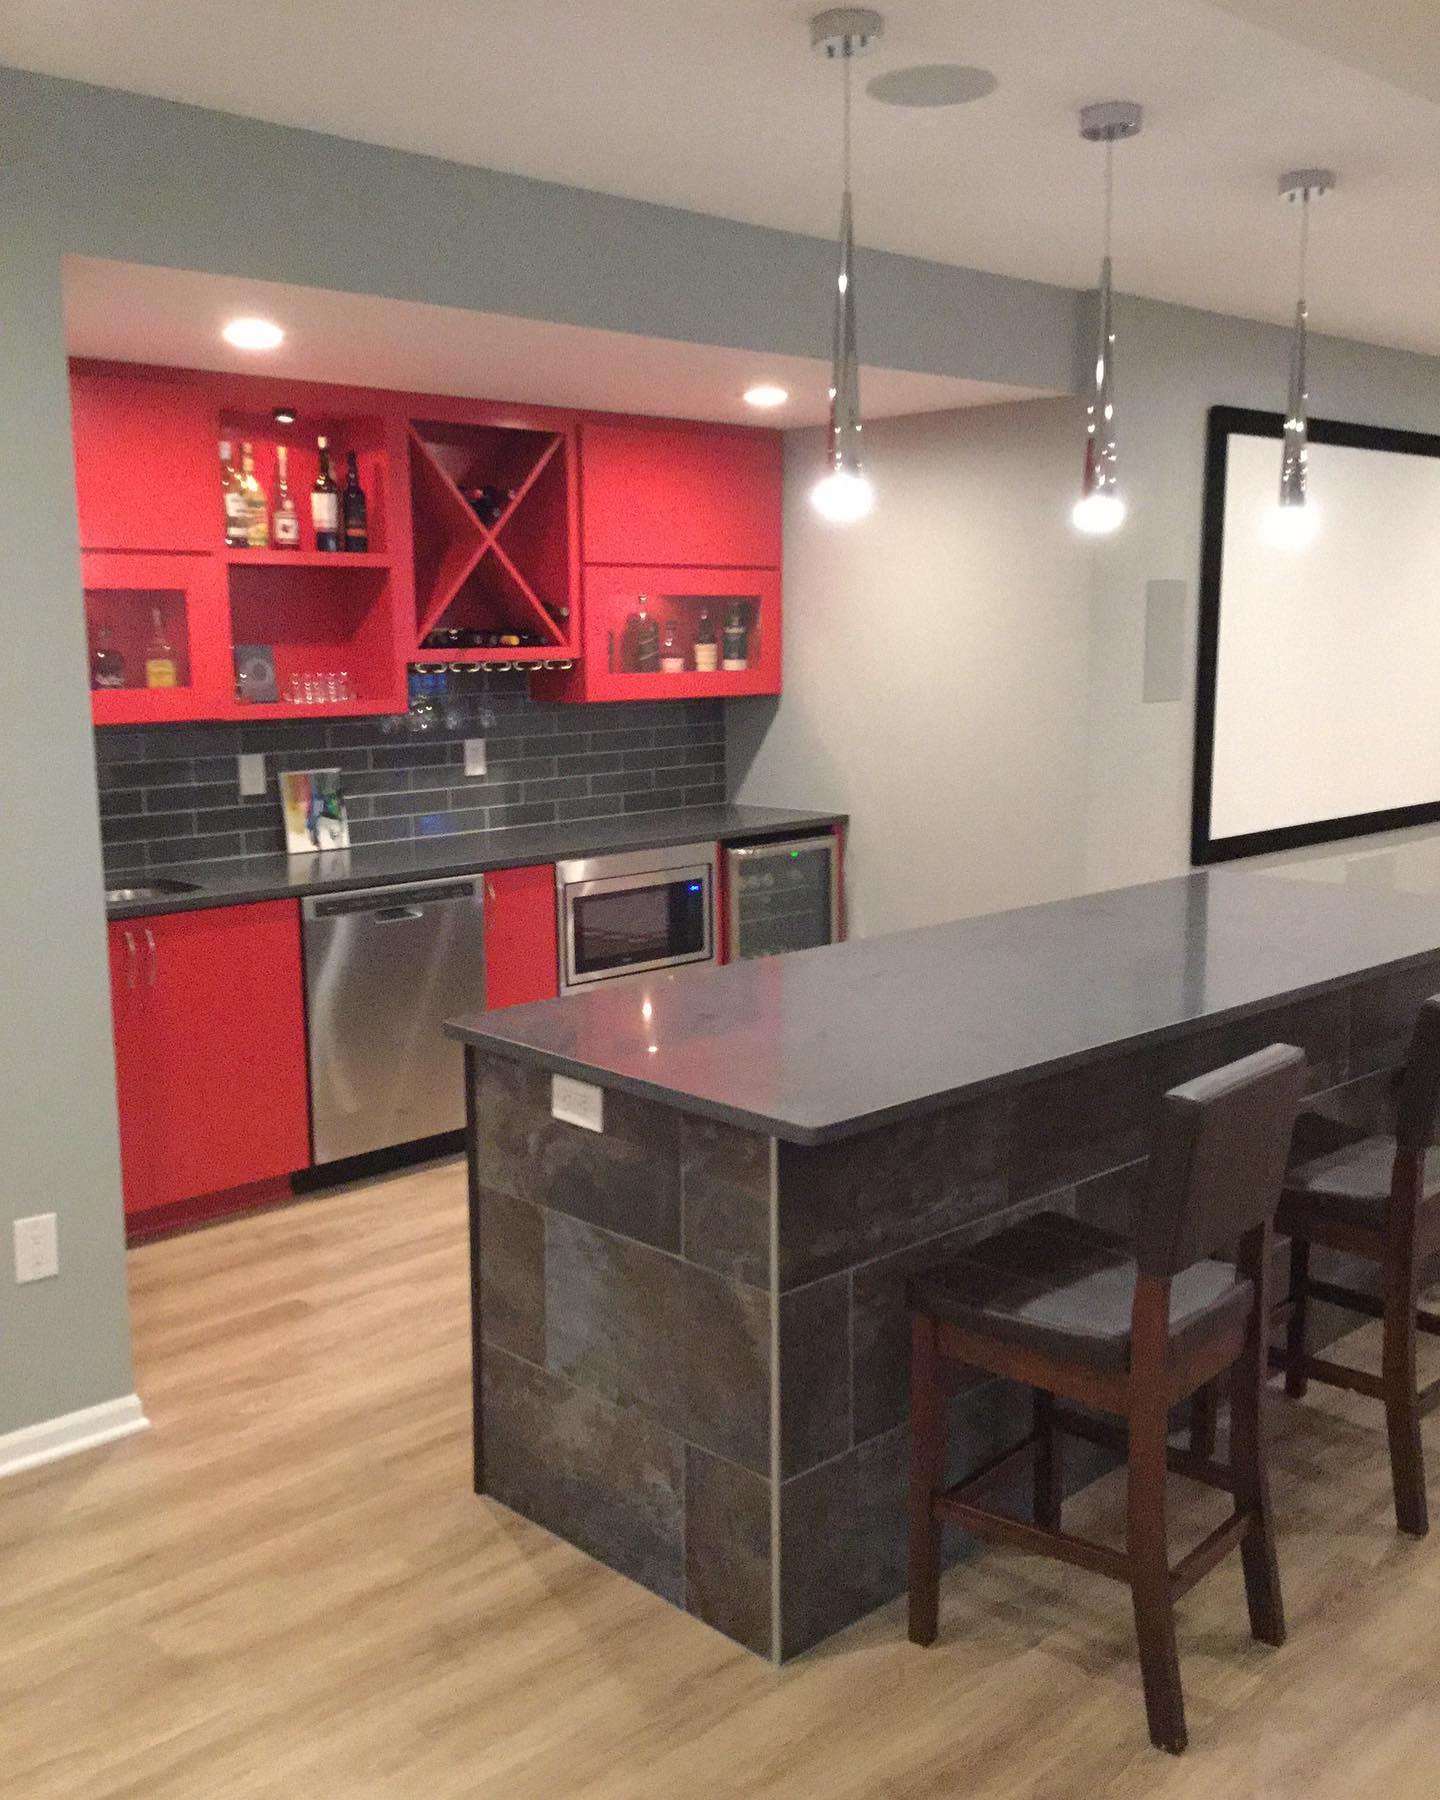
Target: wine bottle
(257,502)
(161,670)
(356,520)
(734,653)
(232,488)
(325,503)
(672,657)
(707,651)
(107,665)
(287,519)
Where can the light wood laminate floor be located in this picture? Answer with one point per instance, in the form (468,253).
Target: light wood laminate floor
(286,1589)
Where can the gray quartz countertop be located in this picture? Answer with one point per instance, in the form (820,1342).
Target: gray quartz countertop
(825,1043)
(241,879)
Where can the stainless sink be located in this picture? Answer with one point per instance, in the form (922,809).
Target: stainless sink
(149,890)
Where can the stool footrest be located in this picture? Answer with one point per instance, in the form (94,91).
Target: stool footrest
(1209,1551)
(1369,1304)
(989,1473)
(1001,1528)
(1114,1437)
(1333,1374)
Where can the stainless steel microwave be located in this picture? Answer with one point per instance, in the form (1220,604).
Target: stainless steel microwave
(634,913)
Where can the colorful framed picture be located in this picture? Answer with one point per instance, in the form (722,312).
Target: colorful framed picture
(314,807)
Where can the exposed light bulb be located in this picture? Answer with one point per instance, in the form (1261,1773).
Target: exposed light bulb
(1290,527)
(253,334)
(1097,515)
(842,496)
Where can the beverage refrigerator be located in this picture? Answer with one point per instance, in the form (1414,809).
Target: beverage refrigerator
(782,896)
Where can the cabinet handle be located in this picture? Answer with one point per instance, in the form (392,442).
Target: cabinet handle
(150,945)
(489,890)
(130,976)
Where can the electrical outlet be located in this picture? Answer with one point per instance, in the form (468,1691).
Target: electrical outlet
(474,756)
(577,1103)
(37,1248)
(250,772)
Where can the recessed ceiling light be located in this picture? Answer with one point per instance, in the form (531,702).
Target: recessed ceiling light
(253,334)
(932,84)
(766,393)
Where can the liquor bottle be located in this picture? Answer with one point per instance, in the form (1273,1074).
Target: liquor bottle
(734,651)
(287,519)
(257,502)
(707,651)
(161,670)
(237,514)
(672,657)
(353,510)
(107,665)
(325,503)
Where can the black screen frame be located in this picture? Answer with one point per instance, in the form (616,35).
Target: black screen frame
(1223,423)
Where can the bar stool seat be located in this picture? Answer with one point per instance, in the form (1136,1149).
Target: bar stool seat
(1351,1185)
(1058,1286)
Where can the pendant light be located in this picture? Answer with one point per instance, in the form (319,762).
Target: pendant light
(1291,522)
(844,494)
(1100,509)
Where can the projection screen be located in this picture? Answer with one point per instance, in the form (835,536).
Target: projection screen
(1318,704)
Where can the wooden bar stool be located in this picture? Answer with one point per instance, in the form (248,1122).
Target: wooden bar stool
(1378,1198)
(1063,1308)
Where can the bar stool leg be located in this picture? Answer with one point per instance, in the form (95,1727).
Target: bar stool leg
(1148,1548)
(927,1464)
(1402,1405)
(1252,1490)
(1296,1380)
(1049,1470)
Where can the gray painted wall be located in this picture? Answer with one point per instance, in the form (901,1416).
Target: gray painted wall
(98,173)
(1102,796)
(935,667)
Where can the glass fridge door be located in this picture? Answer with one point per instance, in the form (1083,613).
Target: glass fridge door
(783,896)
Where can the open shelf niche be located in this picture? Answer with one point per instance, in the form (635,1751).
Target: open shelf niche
(513,575)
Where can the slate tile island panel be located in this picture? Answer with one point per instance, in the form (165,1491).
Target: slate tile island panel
(169,793)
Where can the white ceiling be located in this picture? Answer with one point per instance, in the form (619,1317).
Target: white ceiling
(134,313)
(723,108)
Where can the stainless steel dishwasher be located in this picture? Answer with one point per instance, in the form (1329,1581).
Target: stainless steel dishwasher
(384,969)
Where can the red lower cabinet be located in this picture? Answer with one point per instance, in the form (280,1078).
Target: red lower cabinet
(209,1016)
(521,961)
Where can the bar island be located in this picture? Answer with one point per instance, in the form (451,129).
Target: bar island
(689,1331)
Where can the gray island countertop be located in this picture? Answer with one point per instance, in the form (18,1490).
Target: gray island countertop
(826,1043)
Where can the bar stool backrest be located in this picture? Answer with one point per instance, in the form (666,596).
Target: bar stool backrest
(1218,1159)
(1417,1101)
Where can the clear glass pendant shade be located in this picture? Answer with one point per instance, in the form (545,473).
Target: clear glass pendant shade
(1100,510)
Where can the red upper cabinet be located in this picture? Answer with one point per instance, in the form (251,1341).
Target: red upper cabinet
(521,961)
(209,1016)
(690,496)
(146,462)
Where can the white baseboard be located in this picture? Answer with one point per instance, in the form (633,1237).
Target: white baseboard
(87,1429)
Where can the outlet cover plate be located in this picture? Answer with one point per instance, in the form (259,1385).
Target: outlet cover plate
(474,756)
(577,1103)
(37,1248)
(250,773)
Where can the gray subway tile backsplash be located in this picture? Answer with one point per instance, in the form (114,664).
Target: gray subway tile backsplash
(169,794)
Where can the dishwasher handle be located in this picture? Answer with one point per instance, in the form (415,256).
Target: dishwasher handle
(389,905)
(397,915)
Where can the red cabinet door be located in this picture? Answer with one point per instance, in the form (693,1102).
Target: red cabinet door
(210,1051)
(521,961)
(146,463)
(689,495)
(133,1060)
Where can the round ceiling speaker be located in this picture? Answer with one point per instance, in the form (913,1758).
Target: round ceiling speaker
(932,84)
